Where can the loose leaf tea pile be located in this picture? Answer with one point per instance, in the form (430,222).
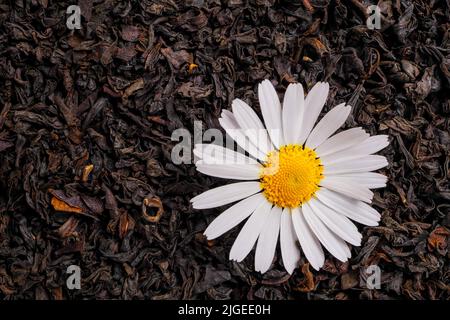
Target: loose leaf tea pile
(86,119)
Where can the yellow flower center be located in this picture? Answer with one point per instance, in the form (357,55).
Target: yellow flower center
(291,176)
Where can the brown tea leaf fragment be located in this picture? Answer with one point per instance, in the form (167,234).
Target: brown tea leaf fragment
(349,280)
(189,90)
(152,202)
(126,53)
(191,67)
(410,68)
(422,88)
(107,55)
(86,171)
(176,58)
(126,222)
(6,290)
(276,281)
(111,202)
(4,113)
(5,145)
(72,121)
(247,37)
(54,161)
(130,33)
(317,45)
(308,5)
(438,238)
(341,296)
(135,86)
(86,8)
(93,204)
(68,228)
(307,284)
(192,21)
(43,3)
(58,294)
(152,55)
(59,205)
(158,119)
(81,204)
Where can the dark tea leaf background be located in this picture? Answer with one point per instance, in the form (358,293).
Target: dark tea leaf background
(86,118)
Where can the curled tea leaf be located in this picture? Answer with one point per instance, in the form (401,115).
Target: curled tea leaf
(147,205)
(60,205)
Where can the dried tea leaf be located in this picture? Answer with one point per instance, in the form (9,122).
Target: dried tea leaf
(150,203)
(68,228)
(60,205)
(86,172)
(126,223)
(135,86)
(176,58)
(307,284)
(130,33)
(438,238)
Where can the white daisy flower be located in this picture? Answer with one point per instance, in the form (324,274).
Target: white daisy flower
(302,182)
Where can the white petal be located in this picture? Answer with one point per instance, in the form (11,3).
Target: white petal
(335,245)
(308,241)
(250,232)
(332,121)
(233,216)
(271,111)
(288,242)
(252,126)
(214,154)
(352,190)
(225,194)
(231,127)
(369,146)
(314,102)
(337,223)
(351,208)
(267,241)
(362,164)
(342,140)
(230,171)
(371,180)
(293,106)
